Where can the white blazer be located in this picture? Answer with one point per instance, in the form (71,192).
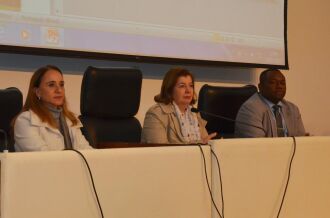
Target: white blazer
(31,134)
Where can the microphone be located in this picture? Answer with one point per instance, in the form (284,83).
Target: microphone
(195,110)
(5,147)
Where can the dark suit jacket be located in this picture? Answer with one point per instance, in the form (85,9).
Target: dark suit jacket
(256,112)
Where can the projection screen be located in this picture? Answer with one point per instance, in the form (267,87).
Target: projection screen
(230,31)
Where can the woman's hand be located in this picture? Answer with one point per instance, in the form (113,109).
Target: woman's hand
(206,139)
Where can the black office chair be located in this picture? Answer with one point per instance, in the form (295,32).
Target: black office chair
(110,98)
(11,101)
(223,101)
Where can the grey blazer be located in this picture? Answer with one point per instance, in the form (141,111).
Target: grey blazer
(257,113)
(161,125)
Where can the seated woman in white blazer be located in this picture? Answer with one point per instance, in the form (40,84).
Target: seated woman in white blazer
(171,120)
(46,123)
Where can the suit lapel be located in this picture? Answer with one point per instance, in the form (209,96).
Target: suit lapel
(271,121)
(270,124)
(174,121)
(176,126)
(287,116)
(35,120)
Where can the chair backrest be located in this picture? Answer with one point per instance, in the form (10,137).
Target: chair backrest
(223,101)
(110,98)
(11,101)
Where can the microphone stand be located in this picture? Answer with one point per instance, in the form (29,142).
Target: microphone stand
(195,110)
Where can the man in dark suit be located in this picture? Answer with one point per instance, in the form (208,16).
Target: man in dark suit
(269,111)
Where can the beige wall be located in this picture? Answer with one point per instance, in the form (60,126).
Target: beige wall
(309,59)
(308,78)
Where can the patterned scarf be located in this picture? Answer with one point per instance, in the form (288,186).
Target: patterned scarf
(189,124)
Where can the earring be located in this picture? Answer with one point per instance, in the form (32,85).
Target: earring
(38,98)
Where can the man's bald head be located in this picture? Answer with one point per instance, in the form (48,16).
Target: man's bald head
(272,85)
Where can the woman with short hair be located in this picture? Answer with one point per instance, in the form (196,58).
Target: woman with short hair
(171,120)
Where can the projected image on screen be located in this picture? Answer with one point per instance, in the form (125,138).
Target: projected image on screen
(241,31)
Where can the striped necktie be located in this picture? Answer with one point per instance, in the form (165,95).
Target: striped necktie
(278,118)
